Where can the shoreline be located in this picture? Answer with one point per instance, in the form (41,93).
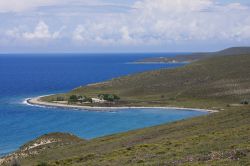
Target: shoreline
(35,102)
(184,62)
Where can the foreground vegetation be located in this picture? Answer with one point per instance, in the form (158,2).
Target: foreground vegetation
(222,138)
(216,139)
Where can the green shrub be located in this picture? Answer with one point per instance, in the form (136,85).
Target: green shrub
(73,99)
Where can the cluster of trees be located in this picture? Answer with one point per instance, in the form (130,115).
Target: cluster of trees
(109,97)
(81,99)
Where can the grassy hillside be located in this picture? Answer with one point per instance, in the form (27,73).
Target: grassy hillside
(215,139)
(222,79)
(45,142)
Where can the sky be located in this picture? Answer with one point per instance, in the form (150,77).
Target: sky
(83,26)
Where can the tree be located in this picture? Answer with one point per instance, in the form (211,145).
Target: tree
(110,97)
(73,99)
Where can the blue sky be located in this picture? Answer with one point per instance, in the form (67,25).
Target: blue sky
(123,26)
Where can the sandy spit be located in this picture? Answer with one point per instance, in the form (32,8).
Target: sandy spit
(37,102)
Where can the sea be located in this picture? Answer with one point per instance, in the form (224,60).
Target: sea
(24,76)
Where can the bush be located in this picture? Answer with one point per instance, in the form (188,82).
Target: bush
(73,98)
(110,98)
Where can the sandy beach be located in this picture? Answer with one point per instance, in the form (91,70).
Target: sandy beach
(37,102)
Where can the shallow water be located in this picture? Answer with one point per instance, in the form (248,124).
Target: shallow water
(28,76)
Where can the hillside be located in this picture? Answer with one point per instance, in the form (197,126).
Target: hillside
(217,139)
(222,138)
(196,56)
(47,141)
(221,79)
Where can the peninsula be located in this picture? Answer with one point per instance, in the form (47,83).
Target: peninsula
(207,83)
(37,101)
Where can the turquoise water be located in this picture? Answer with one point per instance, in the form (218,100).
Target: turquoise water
(27,76)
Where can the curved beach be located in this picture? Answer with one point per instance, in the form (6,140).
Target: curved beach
(37,102)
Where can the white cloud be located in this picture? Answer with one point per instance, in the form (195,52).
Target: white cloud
(18,6)
(78,33)
(170,21)
(177,6)
(125,36)
(149,22)
(189,20)
(40,32)
(23,5)
(94,33)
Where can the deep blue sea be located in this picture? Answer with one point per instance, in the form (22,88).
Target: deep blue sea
(24,76)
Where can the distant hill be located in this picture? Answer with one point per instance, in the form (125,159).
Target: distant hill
(196,56)
(234,51)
